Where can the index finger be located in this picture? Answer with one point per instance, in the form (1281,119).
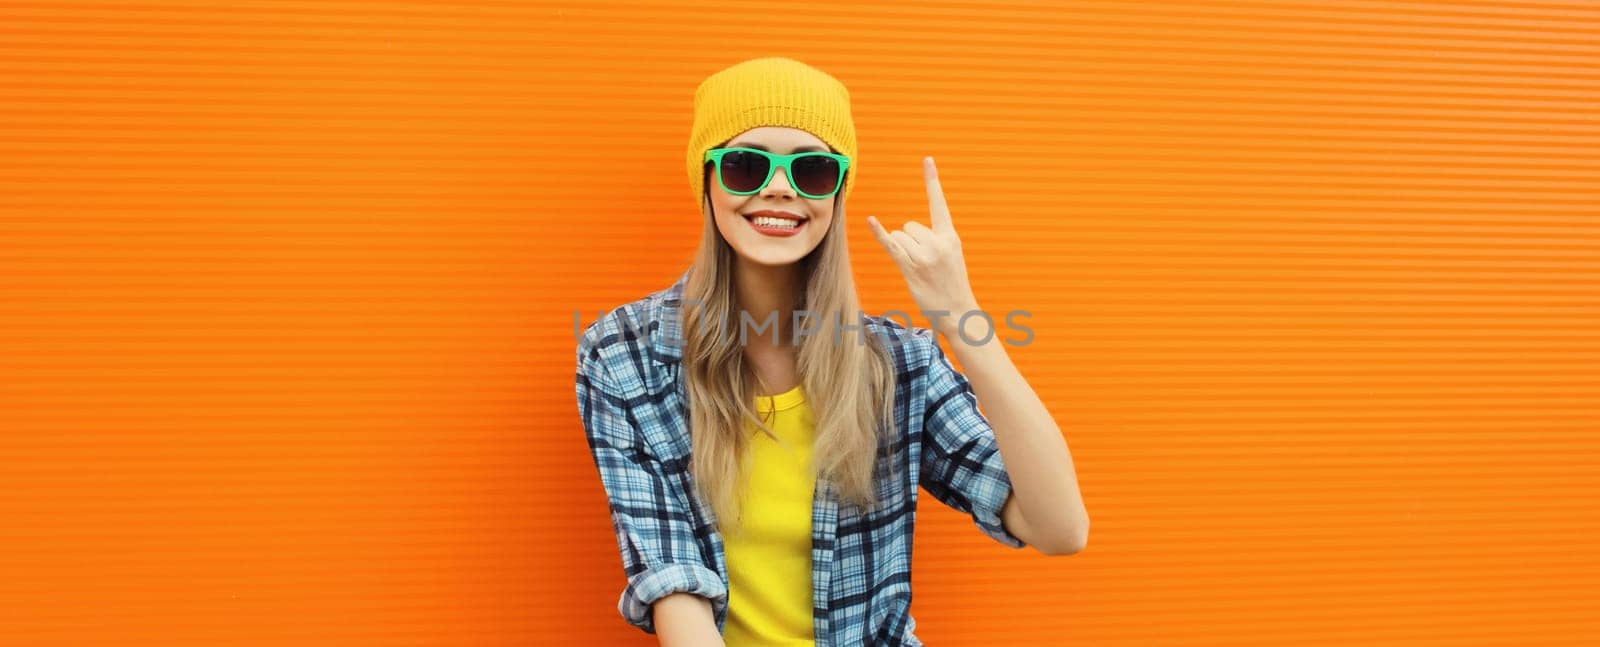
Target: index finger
(938,211)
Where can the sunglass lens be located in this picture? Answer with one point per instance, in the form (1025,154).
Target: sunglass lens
(743,171)
(816,174)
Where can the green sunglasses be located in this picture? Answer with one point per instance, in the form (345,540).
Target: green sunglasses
(743,171)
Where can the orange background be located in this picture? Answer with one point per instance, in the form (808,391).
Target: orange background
(289,288)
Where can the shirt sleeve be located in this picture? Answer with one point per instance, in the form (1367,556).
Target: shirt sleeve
(649,510)
(961,463)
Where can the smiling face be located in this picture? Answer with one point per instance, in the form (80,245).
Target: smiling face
(740,217)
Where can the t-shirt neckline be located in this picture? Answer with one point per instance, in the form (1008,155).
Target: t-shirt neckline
(786,400)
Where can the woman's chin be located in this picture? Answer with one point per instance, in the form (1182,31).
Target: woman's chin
(771,258)
(769,251)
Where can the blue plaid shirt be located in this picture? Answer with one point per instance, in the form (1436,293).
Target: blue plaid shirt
(634,407)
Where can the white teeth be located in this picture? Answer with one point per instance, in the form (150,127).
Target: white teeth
(783,223)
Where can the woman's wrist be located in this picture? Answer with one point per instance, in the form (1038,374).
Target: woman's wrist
(967,321)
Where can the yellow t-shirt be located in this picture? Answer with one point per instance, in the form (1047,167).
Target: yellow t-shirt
(769,563)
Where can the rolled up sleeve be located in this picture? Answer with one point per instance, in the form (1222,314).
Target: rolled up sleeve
(650,512)
(961,462)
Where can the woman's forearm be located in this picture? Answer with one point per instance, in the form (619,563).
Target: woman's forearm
(685,620)
(1044,480)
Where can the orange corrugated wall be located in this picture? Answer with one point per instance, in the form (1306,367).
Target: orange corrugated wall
(289,294)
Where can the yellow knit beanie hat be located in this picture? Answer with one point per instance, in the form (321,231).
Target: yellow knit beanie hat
(771,91)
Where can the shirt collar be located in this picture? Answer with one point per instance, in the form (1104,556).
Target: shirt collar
(668,346)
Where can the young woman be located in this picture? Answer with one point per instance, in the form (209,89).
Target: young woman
(760,439)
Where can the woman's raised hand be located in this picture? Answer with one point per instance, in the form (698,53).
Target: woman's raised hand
(930,259)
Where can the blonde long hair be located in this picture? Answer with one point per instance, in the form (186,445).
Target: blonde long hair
(848,385)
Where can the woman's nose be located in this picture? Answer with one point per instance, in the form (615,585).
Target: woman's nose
(779,184)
